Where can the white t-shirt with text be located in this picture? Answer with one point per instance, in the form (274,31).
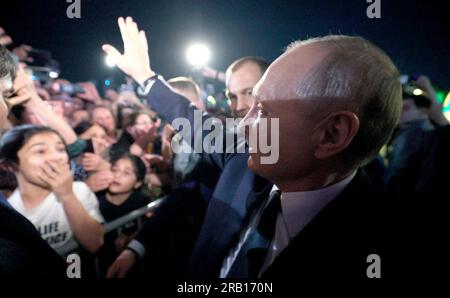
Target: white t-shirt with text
(49,216)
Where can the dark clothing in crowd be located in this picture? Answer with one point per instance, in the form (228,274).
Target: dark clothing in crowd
(23,253)
(435,167)
(169,236)
(125,141)
(376,170)
(428,169)
(8,181)
(404,146)
(111,212)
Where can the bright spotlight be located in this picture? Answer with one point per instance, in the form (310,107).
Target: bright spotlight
(53,74)
(417,92)
(198,54)
(109,61)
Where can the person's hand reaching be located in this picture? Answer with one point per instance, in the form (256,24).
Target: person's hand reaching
(24,88)
(5,39)
(90,93)
(134,61)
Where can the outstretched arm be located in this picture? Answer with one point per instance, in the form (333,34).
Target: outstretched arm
(170,105)
(436,114)
(26,95)
(135,62)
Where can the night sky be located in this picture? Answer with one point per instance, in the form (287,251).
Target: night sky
(414,33)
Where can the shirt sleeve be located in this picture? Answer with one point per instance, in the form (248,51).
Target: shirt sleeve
(76,149)
(88,200)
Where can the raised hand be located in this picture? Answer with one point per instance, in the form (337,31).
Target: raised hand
(24,89)
(122,264)
(4,38)
(22,52)
(100,180)
(93,162)
(134,61)
(90,92)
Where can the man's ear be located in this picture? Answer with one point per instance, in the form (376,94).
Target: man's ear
(338,130)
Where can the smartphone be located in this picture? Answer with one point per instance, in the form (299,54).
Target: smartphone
(89,147)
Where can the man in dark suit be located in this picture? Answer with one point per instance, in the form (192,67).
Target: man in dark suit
(173,230)
(329,105)
(23,253)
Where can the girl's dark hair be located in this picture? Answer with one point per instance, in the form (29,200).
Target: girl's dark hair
(14,139)
(138,165)
(131,119)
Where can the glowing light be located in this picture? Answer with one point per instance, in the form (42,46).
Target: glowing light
(446,106)
(440,96)
(417,92)
(447,99)
(109,61)
(53,74)
(211,100)
(198,54)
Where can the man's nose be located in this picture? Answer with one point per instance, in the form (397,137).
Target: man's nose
(248,120)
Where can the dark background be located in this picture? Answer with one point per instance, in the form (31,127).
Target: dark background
(414,33)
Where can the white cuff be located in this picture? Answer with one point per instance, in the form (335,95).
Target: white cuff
(144,90)
(137,247)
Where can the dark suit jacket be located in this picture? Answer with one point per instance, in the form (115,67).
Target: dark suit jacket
(420,196)
(337,234)
(23,253)
(337,242)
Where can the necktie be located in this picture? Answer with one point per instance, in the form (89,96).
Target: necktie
(252,254)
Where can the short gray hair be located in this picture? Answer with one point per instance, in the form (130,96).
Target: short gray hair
(358,76)
(7,65)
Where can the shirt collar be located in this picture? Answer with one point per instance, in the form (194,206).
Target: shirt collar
(298,208)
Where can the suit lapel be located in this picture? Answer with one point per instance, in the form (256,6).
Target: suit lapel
(225,218)
(320,242)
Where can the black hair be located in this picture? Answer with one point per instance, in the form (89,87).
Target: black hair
(138,165)
(131,119)
(14,139)
(82,127)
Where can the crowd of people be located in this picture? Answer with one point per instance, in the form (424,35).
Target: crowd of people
(355,146)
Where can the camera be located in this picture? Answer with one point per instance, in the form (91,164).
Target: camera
(69,88)
(42,74)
